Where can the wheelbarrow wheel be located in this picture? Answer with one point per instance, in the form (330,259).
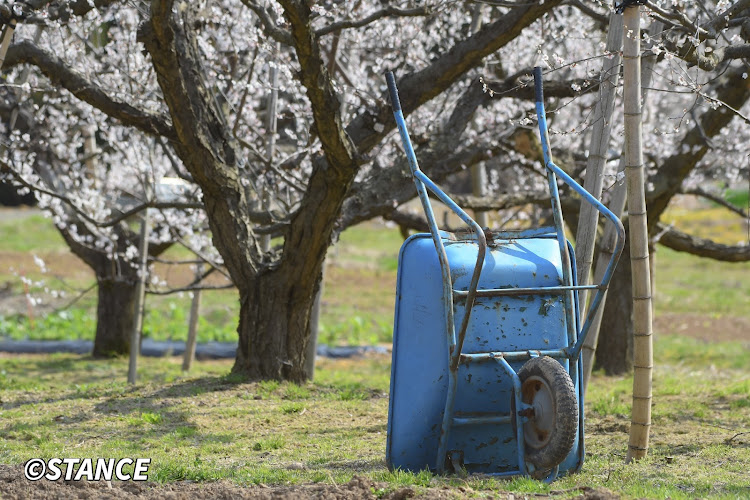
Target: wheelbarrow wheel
(551,430)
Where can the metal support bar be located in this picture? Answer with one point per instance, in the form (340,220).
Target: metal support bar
(513,355)
(553,290)
(488,419)
(519,421)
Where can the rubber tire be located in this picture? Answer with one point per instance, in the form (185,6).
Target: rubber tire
(562,434)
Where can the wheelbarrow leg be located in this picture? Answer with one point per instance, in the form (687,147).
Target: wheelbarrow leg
(445,428)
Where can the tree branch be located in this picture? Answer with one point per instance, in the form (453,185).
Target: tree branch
(593,14)
(380,14)
(521,86)
(682,242)
(59,73)
(269,26)
(716,199)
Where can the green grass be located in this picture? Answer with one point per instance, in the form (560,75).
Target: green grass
(33,233)
(689,284)
(209,426)
(213,425)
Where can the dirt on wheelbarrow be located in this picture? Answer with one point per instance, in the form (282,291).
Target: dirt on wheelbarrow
(13,486)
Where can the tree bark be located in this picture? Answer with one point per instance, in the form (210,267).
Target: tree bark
(614,351)
(275,315)
(114,316)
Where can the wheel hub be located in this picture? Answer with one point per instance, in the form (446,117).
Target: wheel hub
(538,430)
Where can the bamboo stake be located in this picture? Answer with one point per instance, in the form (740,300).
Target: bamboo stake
(642,343)
(607,242)
(589,217)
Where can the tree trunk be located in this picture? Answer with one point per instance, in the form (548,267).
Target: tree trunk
(614,351)
(274,329)
(114,316)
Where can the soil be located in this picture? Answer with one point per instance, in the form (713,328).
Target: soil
(702,327)
(14,486)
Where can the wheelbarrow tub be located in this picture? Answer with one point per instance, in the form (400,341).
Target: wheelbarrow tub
(419,371)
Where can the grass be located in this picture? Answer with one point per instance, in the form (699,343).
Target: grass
(210,426)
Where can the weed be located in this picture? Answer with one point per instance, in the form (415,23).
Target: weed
(289,408)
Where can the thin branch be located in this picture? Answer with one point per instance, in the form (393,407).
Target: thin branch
(189,289)
(716,199)
(159,205)
(380,14)
(680,20)
(75,299)
(500,201)
(171,262)
(245,93)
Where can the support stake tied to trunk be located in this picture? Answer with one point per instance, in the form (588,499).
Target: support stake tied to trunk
(642,314)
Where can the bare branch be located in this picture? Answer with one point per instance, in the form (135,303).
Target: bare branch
(189,289)
(145,206)
(380,14)
(680,20)
(716,199)
(61,74)
(521,86)
(683,242)
(500,201)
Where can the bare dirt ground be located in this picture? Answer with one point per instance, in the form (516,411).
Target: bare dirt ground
(13,486)
(703,327)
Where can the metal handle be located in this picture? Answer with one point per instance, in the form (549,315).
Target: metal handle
(423,184)
(391,80)
(538,92)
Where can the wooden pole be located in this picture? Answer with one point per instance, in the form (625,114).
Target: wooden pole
(607,242)
(588,220)
(195,305)
(271,125)
(640,424)
(312,342)
(135,338)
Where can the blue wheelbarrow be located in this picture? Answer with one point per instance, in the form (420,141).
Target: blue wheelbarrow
(486,374)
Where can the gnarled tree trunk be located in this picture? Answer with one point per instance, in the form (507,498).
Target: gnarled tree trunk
(274,327)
